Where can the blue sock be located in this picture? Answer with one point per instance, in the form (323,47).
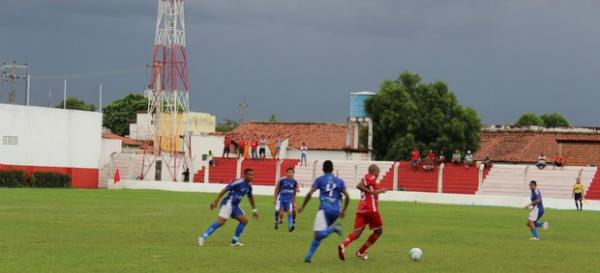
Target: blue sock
(290,220)
(538,224)
(238,232)
(313,248)
(322,234)
(211,229)
(534,233)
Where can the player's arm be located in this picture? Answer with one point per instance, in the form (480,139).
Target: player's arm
(214,203)
(253,205)
(346,202)
(307,198)
(362,187)
(535,202)
(276,193)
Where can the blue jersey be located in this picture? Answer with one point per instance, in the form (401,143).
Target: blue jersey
(287,188)
(331,189)
(237,189)
(536,195)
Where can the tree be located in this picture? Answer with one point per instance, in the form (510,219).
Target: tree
(529,119)
(554,120)
(120,113)
(226,125)
(76,104)
(273,118)
(408,113)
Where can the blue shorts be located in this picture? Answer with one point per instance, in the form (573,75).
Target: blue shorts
(284,204)
(325,218)
(229,210)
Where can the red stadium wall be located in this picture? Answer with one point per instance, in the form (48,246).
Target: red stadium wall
(80,177)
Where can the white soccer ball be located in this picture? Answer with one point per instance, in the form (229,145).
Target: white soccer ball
(415,254)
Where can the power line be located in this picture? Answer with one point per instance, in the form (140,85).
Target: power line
(91,74)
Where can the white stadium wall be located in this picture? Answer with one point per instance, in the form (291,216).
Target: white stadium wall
(51,139)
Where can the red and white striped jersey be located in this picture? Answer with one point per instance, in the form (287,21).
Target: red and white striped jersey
(369,202)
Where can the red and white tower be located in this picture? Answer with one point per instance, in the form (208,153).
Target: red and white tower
(168,96)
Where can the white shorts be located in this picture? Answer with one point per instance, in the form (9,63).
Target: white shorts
(320,221)
(534,214)
(228,210)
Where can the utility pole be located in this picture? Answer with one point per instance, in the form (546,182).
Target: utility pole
(65,96)
(11,73)
(100,98)
(243,105)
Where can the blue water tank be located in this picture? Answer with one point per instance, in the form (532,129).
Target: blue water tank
(357,104)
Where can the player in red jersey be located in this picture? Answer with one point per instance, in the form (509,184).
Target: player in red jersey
(367,213)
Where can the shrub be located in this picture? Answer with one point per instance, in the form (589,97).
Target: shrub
(48,180)
(12,179)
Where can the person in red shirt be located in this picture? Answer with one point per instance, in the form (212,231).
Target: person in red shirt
(253,146)
(558,161)
(415,158)
(241,147)
(227,146)
(367,213)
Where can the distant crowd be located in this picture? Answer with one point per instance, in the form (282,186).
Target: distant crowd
(255,149)
(429,162)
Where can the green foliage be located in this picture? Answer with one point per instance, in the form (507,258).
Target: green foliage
(16,179)
(48,180)
(226,125)
(120,113)
(529,119)
(408,113)
(273,118)
(12,179)
(554,120)
(76,104)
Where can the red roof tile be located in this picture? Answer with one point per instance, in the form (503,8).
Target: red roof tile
(125,140)
(317,136)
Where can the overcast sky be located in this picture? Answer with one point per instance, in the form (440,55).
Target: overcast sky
(300,59)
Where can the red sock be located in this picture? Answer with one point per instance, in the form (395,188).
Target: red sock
(372,239)
(281,214)
(349,239)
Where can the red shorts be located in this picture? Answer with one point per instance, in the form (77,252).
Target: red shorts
(373,219)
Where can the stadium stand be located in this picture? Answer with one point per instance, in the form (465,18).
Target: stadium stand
(224,171)
(458,179)
(593,191)
(409,180)
(346,171)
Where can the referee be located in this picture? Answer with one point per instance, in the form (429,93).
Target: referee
(578,194)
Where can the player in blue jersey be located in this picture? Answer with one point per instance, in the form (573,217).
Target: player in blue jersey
(331,190)
(285,198)
(230,208)
(537,211)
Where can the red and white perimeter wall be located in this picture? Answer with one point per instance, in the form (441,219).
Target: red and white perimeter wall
(50,139)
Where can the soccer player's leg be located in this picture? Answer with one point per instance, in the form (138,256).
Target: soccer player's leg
(359,225)
(290,218)
(323,227)
(224,214)
(375,224)
(239,215)
(531,223)
(277,213)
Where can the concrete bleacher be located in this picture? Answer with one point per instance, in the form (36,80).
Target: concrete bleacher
(349,171)
(513,180)
(129,165)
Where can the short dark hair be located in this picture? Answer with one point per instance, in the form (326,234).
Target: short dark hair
(247,170)
(327,166)
(290,169)
(533,182)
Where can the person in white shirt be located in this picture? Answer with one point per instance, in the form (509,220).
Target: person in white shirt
(303,153)
(541,162)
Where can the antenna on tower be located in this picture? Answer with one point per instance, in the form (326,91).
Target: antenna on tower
(243,105)
(168,95)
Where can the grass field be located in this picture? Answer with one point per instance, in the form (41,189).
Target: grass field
(151,231)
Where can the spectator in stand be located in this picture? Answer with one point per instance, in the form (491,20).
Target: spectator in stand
(469,159)
(226,146)
(415,158)
(241,147)
(210,158)
(429,162)
(278,147)
(558,161)
(262,149)
(487,161)
(441,157)
(456,157)
(578,191)
(303,154)
(541,162)
(253,149)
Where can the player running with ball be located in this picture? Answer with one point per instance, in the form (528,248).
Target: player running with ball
(230,207)
(367,213)
(533,221)
(331,189)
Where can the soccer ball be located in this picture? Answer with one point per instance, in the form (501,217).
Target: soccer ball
(415,254)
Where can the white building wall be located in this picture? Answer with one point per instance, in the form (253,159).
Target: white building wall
(109,146)
(50,137)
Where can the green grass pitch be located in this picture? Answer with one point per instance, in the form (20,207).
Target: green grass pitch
(151,231)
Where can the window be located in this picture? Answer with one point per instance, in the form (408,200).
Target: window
(10,140)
